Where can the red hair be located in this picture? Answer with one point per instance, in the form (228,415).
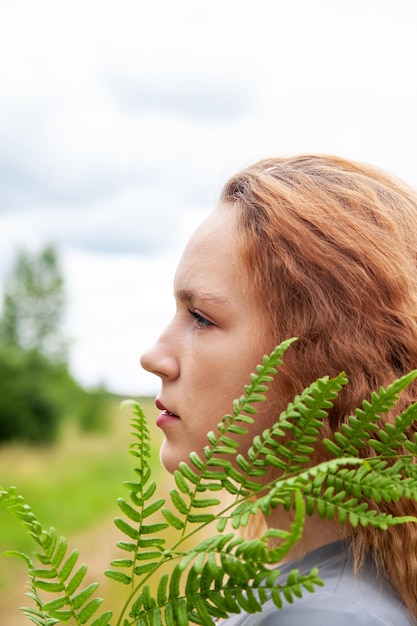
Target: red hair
(330,248)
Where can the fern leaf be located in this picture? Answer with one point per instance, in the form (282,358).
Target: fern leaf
(69,565)
(126,528)
(197,461)
(62,616)
(150,529)
(103,620)
(180,612)
(128,510)
(153,542)
(172,519)
(148,555)
(374,479)
(50,587)
(290,538)
(152,508)
(201,518)
(179,502)
(145,568)
(39,617)
(60,552)
(188,473)
(202,503)
(89,610)
(81,598)
(42,573)
(128,546)
(174,583)
(155,618)
(303,418)
(76,580)
(202,610)
(335,506)
(122,563)
(55,605)
(170,615)
(354,436)
(392,437)
(149,491)
(181,482)
(248,601)
(162,590)
(193,581)
(49,543)
(119,577)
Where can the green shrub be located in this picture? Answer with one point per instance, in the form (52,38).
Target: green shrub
(28,411)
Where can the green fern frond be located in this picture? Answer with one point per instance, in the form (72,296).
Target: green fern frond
(41,615)
(339,495)
(56,576)
(375,480)
(392,436)
(216,589)
(140,448)
(355,435)
(300,425)
(135,526)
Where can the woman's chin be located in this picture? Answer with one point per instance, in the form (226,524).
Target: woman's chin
(170,459)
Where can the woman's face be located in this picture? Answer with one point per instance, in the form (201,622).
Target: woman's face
(215,340)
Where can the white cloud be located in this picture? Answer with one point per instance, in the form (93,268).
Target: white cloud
(119,122)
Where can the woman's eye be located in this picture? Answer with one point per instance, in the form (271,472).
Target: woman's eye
(200,319)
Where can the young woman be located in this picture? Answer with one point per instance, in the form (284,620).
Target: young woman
(323,249)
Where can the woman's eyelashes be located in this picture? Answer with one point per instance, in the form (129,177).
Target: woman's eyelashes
(201,321)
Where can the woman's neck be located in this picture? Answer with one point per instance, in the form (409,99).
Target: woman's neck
(317,532)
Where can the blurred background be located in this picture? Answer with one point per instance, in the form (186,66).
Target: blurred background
(119,124)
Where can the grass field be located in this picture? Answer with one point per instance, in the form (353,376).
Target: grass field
(72,486)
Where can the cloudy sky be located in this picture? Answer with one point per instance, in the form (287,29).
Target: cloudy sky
(120,121)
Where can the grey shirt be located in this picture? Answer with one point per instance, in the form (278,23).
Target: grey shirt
(345,600)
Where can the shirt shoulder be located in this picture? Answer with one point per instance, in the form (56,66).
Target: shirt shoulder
(345,599)
(319,610)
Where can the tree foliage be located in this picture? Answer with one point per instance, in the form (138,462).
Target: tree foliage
(225,573)
(36,388)
(33,304)
(37,395)
(28,411)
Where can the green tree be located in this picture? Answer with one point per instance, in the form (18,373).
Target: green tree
(28,410)
(37,390)
(33,305)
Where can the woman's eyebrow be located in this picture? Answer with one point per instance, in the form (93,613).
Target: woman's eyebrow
(187,295)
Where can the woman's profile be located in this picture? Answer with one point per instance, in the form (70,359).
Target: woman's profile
(325,250)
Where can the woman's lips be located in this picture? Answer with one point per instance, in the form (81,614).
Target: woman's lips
(166,417)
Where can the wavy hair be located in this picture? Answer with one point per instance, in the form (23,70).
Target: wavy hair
(330,248)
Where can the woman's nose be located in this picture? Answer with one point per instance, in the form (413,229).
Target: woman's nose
(159,361)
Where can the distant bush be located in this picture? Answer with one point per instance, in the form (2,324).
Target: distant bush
(36,389)
(92,413)
(36,395)
(27,410)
